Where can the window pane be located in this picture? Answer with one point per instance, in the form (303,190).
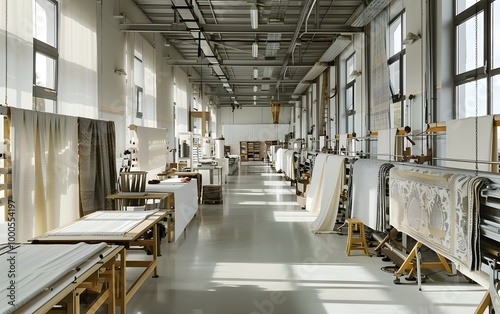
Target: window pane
(349,99)
(495,93)
(462,5)
(349,68)
(45,71)
(45,21)
(466,99)
(467,44)
(138,72)
(395,77)
(44,105)
(495,34)
(395,36)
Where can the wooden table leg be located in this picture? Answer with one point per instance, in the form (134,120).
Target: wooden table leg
(155,249)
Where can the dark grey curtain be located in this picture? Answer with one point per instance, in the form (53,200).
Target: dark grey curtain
(97,164)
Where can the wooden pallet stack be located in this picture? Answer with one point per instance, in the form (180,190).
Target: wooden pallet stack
(212,194)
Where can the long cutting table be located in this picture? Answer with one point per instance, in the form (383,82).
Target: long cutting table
(115,227)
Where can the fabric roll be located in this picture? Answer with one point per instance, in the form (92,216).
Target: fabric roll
(331,188)
(461,139)
(439,209)
(369,192)
(313,191)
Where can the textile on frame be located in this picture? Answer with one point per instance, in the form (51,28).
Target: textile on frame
(313,193)
(439,209)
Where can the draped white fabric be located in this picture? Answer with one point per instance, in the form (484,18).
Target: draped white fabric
(313,191)
(331,187)
(45,174)
(461,140)
(120,215)
(278,166)
(38,267)
(386,144)
(19,53)
(185,198)
(290,164)
(152,148)
(77,94)
(343,141)
(379,73)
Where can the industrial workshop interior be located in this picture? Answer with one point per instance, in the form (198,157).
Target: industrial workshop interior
(249,156)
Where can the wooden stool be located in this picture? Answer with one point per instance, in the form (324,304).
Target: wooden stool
(356,243)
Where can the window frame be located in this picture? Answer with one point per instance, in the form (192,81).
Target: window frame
(51,52)
(350,87)
(484,71)
(398,96)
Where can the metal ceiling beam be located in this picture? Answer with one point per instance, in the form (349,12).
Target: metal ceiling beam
(283,29)
(245,81)
(240,63)
(249,94)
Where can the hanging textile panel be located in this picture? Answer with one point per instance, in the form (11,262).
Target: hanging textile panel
(330,190)
(439,209)
(369,186)
(44,171)
(97,164)
(386,144)
(313,191)
(461,140)
(152,147)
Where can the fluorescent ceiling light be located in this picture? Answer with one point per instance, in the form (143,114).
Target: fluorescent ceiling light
(335,49)
(254,16)
(255,88)
(301,87)
(255,49)
(255,73)
(370,12)
(254,97)
(254,102)
(410,38)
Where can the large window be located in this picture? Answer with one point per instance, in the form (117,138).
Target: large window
(350,78)
(45,55)
(477,57)
(139,84)
(397,66)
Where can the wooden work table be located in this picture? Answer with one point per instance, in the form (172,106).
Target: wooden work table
(133,237)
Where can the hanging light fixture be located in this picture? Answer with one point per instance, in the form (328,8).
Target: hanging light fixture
(275,110)
(254,16)
(255,73)
(255,49)
(255,88)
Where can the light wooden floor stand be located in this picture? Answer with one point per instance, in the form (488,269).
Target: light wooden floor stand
(356,243)
(410,265)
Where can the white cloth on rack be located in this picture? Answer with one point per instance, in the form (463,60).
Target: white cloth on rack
(290,163)
(313,191)
(386,144)
(461,139)
(44,171)
(151,148)
(331,188)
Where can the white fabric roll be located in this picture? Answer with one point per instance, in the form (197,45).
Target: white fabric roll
(331,188)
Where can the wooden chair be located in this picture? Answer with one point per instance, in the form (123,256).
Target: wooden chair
(134,181)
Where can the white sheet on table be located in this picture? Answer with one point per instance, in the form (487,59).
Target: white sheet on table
(461,139)
(313,191)
(40,266)
(331,187)
(120,215)
(185,200)
(97,228)
(386,144)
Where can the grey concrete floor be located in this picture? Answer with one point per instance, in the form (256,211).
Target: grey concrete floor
(254,254)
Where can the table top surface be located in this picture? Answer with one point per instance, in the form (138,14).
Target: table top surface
(130,236)
(139,195)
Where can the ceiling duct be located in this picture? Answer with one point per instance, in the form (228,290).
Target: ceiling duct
(335,49)
(301,87)
(370,12)
(315,71)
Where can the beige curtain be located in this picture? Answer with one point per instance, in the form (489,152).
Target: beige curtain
(97,164)
(44,169)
